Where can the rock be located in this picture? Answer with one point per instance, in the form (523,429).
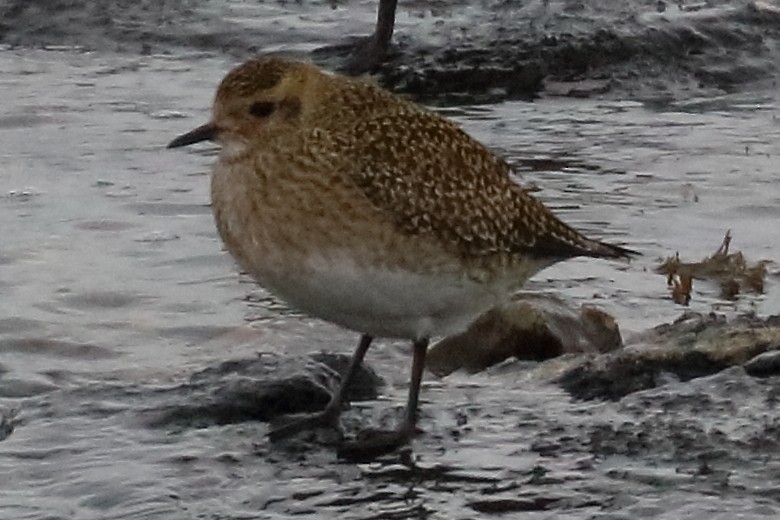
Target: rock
(259,389)
(577,89)
(764,365)
(15,388)
(612,377)
(8,422)
(694,345)
(531,327)
(366,383)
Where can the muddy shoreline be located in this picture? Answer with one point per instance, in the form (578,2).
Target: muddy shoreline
(488,52)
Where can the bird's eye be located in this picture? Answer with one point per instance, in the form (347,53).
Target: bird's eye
(261,109)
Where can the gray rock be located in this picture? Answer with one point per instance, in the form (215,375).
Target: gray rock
(8,422)
(694,345)
(764,365)
(531,327)
(259,389)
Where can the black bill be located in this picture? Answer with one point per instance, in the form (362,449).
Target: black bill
(205,132)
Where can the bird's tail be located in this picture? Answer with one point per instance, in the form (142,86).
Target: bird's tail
(597,249)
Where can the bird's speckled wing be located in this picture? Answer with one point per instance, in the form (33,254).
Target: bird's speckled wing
(431,177)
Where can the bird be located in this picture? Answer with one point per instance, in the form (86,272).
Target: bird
(362,208)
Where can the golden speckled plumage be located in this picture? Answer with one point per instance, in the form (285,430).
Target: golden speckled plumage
(368,211)
(436,179)
(336,179)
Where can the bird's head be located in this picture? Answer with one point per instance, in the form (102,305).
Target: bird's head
(256,100)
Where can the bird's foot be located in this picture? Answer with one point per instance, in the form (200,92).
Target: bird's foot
(374,443)
(289,425)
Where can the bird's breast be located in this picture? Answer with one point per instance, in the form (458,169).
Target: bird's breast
(322,246)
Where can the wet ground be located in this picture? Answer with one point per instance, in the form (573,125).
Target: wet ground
(114,289)
(454,51)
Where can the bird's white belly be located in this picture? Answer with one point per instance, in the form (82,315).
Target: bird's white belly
(381,301)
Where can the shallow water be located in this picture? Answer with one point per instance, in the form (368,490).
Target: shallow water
(114,286)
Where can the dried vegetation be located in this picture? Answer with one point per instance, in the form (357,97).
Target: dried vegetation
(731,271)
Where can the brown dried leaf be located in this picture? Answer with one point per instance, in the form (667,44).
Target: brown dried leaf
(730,271)
(682,285)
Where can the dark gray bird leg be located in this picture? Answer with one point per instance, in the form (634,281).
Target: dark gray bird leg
(293,424)
(372,51)
(375,443)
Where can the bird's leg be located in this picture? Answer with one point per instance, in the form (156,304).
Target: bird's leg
(370,52)
(418,365)
(329,416)
(375,443)
(385,22)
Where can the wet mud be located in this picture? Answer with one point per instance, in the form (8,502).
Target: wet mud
(132,354)
(584,49)
(461,51)
(695,449)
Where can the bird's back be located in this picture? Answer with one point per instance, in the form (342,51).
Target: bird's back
(432,178)
(366,210)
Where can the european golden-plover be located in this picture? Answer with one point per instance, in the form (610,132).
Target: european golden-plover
(364,209)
